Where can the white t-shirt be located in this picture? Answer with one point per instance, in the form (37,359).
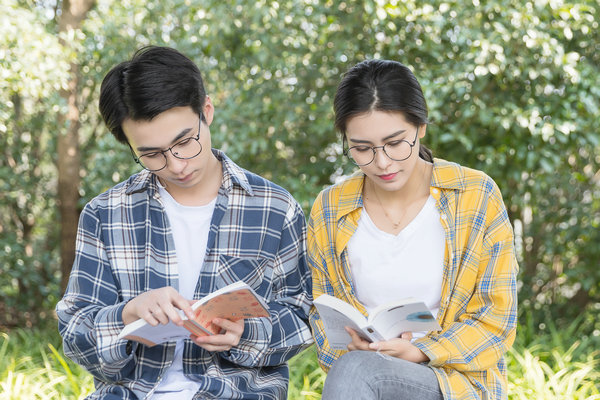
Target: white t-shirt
(190,227)
(387,267)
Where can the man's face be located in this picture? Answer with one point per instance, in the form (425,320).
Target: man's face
(166,130)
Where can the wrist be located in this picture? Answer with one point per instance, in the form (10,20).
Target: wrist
(126,315)
(419,356)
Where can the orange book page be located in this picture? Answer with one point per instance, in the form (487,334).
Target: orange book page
(234,306)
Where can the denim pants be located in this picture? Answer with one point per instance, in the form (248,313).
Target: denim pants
(370,375)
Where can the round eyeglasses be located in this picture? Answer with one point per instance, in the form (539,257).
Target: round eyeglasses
(184,149)
(397,150)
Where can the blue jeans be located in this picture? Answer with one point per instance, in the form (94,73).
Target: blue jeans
(370,375)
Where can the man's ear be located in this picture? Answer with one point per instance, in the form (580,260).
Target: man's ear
(208,110)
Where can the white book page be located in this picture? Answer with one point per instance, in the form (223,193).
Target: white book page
(411,317)
(337,314)
(168,332)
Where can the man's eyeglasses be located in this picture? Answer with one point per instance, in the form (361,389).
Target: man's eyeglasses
(397,150)
(184,149)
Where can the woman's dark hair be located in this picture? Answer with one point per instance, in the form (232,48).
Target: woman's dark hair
(155,80)
(380,85)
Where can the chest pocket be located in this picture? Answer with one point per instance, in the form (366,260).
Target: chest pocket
(256,272)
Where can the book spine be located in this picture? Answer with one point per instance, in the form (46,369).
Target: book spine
(196,328)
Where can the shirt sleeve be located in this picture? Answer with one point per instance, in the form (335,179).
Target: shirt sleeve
(89,314)
(477,338)
(321,284)
(272,341)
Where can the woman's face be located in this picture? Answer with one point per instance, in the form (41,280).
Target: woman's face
(400,138)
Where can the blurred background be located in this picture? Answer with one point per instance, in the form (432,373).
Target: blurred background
(512,88)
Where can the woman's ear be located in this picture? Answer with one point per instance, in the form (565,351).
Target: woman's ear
(422,130)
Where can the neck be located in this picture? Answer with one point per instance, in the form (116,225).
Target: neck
(415,188)
(204,191)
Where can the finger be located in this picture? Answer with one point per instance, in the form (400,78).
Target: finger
(165,311)
(359,342)
(235,327)
(394,347)
(232,330)
(149,318)
(406,336)
(173,314)
(202,342)
(160,315)
(214,342)
(353,335)
(180,302)
(213,348)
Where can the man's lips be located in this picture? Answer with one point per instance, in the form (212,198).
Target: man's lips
(185,178)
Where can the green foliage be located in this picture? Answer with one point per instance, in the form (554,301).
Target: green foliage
(547,362)
(32,71)
(511,86)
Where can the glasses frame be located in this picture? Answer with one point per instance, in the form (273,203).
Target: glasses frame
(170,150)
(374,148)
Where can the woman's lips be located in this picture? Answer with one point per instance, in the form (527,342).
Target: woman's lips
(388,177)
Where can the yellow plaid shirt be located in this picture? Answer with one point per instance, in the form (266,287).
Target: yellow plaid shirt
(478,311)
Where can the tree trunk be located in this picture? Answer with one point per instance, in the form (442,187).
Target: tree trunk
(69,160)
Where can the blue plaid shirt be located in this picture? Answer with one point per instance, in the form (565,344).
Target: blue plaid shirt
(125,247)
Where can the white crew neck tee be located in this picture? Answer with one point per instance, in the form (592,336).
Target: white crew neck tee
(387,267)
(190,227)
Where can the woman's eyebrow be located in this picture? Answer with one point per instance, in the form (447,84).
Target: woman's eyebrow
(393,135)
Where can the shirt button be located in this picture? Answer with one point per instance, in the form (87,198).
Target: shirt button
(444,217)
(434,191)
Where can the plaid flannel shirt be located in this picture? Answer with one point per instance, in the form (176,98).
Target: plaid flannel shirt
(125,247)
(478,311)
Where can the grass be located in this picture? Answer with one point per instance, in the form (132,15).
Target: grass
(558,364)
(31,367)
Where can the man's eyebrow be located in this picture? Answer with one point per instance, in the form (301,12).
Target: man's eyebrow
(177,138)
(388,137)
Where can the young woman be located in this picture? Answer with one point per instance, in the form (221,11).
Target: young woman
(409,225)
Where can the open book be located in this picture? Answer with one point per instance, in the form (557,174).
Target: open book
(234,302)
(386,322)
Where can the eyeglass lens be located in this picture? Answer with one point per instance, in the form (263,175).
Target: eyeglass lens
(187,148)
(397,151)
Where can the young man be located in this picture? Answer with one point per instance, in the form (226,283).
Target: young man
(191,222)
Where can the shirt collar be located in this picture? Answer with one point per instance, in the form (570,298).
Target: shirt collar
(232,175)
(446,176)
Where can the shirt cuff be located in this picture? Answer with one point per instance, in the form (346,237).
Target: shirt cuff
(112,351)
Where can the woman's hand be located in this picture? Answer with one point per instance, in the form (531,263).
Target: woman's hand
(401,348)
(228,338)
(357,343)
(158,306)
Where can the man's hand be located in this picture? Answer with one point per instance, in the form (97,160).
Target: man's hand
(228,338)
(157,306)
